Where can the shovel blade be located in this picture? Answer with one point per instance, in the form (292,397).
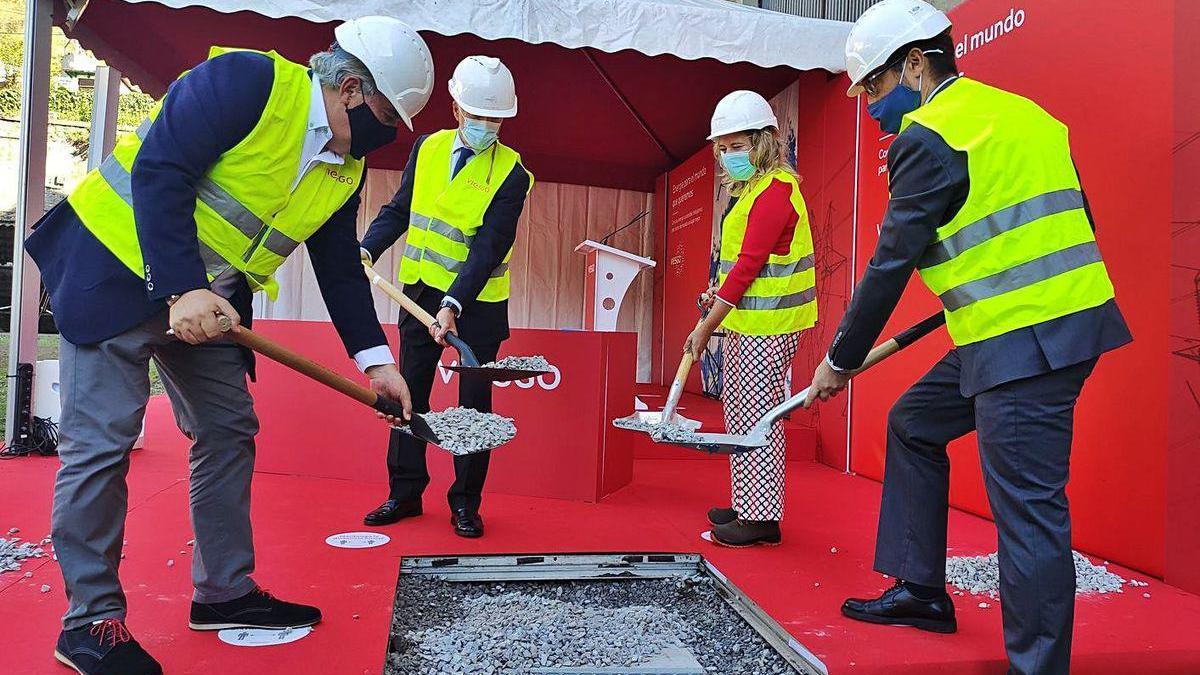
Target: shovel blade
(418,427)
(638,419)
(497,374)
(721,444)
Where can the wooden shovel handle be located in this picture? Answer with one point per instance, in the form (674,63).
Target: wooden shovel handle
(309,368)
(396,294)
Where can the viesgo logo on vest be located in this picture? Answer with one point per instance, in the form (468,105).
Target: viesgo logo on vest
(547,382)
(340,177)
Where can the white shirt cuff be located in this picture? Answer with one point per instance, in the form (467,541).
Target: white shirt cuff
(725,301)
(374,356)
(457,304)
(835,368)
(367,254)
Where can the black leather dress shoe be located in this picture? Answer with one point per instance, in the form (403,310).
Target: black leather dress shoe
(899,607)
(392,511)
(467,523)
(721,516)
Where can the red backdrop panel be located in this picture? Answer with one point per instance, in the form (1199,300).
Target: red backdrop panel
(1182,563)
(685,259)
(1118,466)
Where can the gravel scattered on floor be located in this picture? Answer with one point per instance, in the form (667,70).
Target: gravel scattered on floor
(13,551)
(464,431)
(536,363)
(445,628)
(980,575)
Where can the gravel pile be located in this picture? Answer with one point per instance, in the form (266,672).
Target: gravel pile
(464,431)
(444,628)
(980,575)
(661,431)
(535,363)
(13,551)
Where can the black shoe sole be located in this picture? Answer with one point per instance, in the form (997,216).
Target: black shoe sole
(931,625)
(225,626)
(467,535)
(757,542)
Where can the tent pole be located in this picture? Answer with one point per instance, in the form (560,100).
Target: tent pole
(105,97)
(31,196)
(625,102)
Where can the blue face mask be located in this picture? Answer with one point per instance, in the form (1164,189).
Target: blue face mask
(737,164)
(478,134)
(890,110)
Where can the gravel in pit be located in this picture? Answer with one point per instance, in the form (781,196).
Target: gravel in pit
(464,431)
(980,575)
(536,363)
(660,431)
(13,551)
(452,628)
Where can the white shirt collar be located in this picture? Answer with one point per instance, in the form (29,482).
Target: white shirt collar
(317,136)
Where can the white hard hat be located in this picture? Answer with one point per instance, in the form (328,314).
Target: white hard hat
(396,56)
(883,29)
(483,86)
(741,111)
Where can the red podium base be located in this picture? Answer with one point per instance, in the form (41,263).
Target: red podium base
(565,447)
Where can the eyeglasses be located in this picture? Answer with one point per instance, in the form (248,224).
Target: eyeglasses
(869,84)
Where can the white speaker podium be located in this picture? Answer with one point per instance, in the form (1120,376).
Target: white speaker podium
(610,271)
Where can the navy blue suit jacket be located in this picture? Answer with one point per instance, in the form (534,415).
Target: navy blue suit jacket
(480,321)
(205,113)
(928,181)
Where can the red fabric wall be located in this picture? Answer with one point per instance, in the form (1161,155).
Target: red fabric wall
(1182,555)
(1121,140)
(685,257)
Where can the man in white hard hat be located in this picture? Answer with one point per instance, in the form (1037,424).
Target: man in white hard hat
(459,202)
(986,205)
(246,157)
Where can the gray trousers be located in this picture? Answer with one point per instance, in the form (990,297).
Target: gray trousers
(104,389)
(1024,432)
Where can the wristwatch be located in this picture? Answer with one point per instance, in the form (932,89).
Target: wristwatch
(446,304)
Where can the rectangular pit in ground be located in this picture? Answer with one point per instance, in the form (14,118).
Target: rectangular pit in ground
(587,614)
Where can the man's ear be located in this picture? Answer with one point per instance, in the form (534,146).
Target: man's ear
(349,91)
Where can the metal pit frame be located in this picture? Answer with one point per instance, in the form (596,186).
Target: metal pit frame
(615,567)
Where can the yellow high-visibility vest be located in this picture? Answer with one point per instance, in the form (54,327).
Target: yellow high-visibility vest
(445,214)
(248,217)
(783,298)
(1021,250)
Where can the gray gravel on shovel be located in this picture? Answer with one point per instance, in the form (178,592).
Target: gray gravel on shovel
(537,363)
(445,628)
(464,431)
(13,551)
(980,575)
(660,432)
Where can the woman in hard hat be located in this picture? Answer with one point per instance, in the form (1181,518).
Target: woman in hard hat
(765,296)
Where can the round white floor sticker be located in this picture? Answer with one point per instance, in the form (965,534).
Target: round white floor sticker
(706,535)
(262,637)
(357,540)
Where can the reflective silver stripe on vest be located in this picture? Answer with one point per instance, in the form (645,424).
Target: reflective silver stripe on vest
(455,266)
(279,243)
(778,302)
(1025,274)
(1004,220)
(775,269)
(220,201)
(214,264)
(117,178)
(441,227)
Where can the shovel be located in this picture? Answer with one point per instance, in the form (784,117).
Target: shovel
(639,421)
(417,426)
(759,435)
(468,363)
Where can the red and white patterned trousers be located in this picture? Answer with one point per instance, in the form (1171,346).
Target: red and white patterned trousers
(756,370)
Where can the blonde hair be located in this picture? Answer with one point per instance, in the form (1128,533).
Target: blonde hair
(767,154)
